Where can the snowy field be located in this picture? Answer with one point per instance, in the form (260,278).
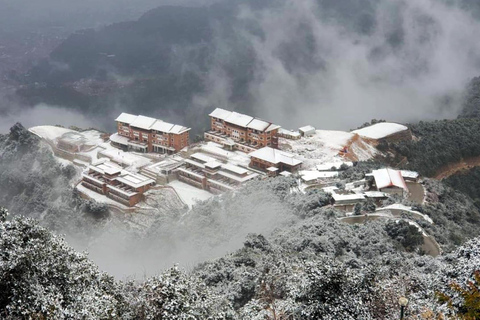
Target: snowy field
(49,132)
(324,147)
(189,194)
(380,130)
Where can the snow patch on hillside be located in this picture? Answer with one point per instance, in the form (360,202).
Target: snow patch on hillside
(380,130)
(326,146)
(190,194)
(49,132)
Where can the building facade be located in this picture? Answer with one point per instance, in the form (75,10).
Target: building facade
(110,180)
(242,132)
(145,134)
(207,173)
(267,158)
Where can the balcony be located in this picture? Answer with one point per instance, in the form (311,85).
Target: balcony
(93,187)
(223,139)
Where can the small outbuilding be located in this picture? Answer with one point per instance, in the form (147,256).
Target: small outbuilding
(307,131)
(389,181)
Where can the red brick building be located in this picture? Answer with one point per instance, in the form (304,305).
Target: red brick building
(269,159)
(239,131)
(205,172)
(110,180)
(147,134)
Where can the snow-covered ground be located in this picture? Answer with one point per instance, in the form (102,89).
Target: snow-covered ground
(189,194)
(131,160)
(93,136)
(398,206)
(49,132)
(322,147)
(326,145)
(380,130)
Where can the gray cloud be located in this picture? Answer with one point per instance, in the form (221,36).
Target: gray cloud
(322,65)
(43,114)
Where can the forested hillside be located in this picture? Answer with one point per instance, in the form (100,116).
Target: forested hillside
(316,269)
(471,103)
(436,144)
(36,185)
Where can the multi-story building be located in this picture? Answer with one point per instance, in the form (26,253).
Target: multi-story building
(147,134)
(274,161)
(111,180)
(207,173)
(239,131)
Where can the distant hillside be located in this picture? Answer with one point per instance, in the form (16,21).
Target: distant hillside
(154,65)
(471,103)
(435,145)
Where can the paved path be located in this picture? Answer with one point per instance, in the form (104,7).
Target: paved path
(430,245)
(417,192)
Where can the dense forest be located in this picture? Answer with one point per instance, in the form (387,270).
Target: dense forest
(318,268)
(436,144)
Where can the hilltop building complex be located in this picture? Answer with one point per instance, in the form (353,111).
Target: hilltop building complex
(145,134)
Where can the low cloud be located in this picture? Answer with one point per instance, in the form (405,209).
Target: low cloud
(43,114)
(338,64)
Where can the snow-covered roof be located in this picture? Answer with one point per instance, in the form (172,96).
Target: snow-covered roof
(162,126)
(126,118)
(143,122)
(239,119)
(243,120)
(235,177)
(235,169)
(213,165)
(289,132)
(272,127)
(119,139)
(307,129)
(202,157)
(220,113)
(275,156)
(258,124)
(272,169)
(148,123)
(177,129)
(380,130)
(285,173)
(409,174)
(106,167)
(134,180)
(49,132)
(389,178)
